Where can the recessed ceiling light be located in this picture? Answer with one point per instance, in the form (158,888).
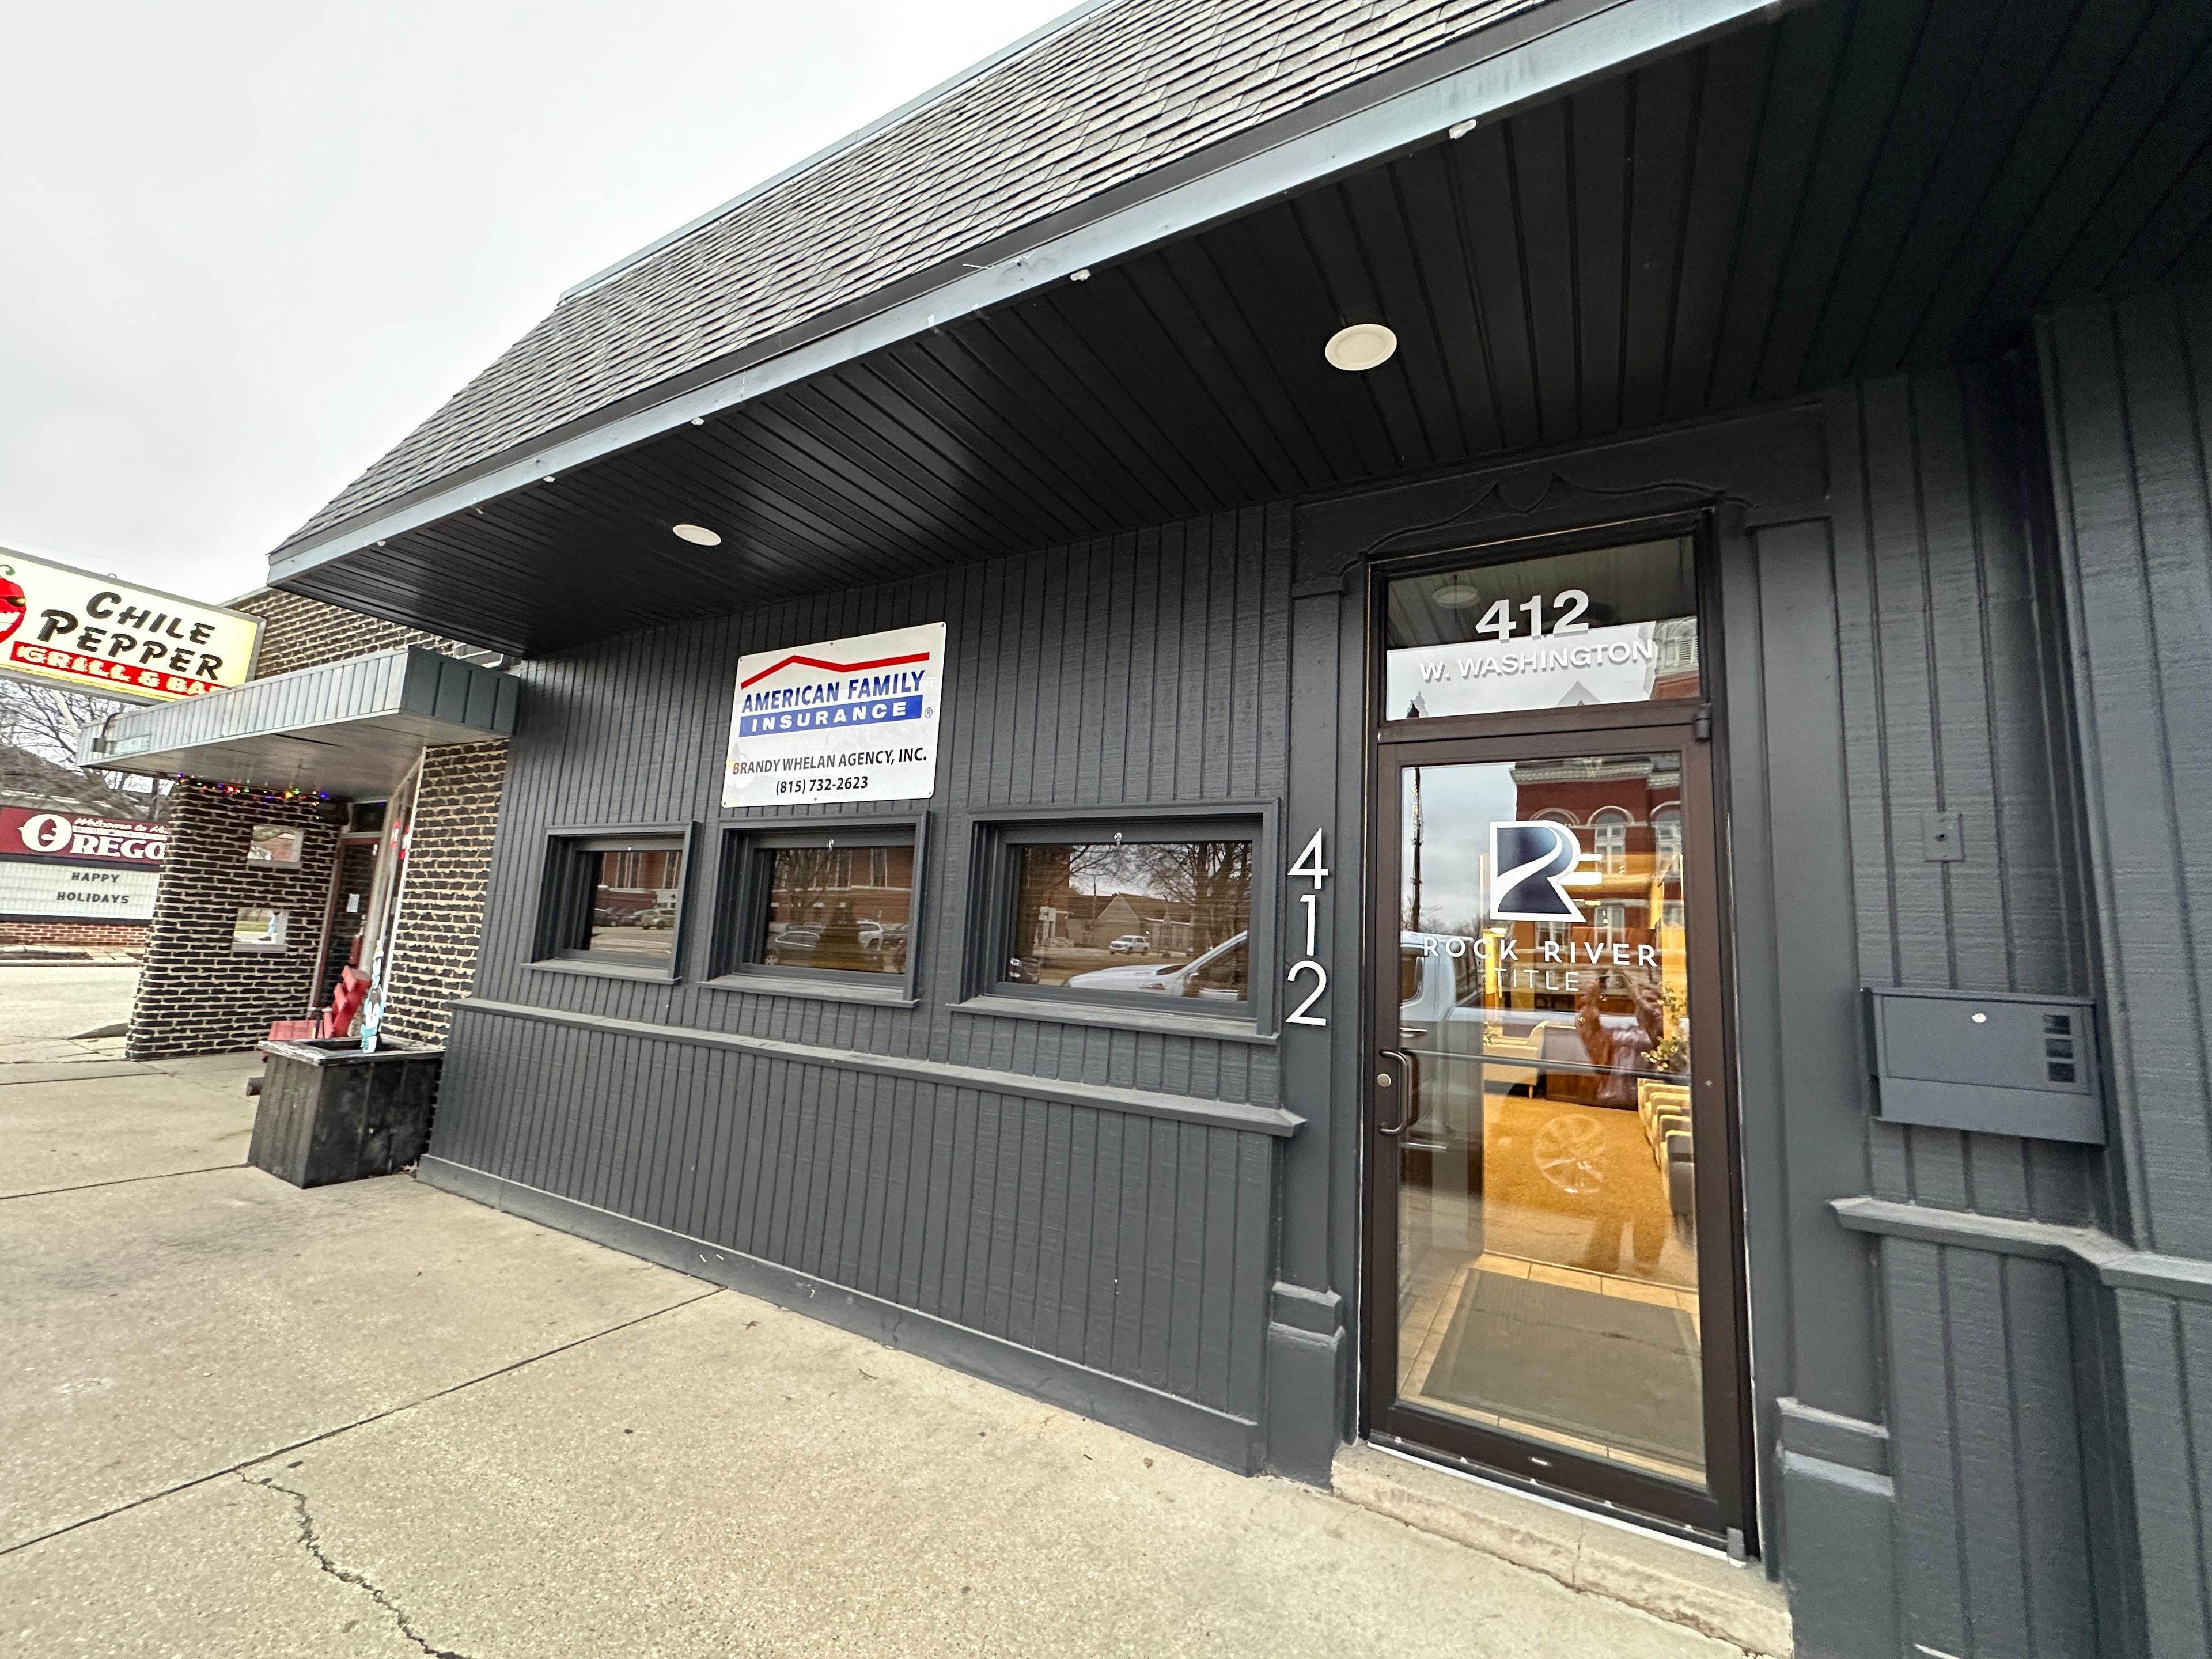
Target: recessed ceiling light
(1362,346)
(698,420)
(548,478)
(699,535)
(1458,596)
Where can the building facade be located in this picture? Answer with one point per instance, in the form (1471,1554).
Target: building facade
(1617,594)
(275,883)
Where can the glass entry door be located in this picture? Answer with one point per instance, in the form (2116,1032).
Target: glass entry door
(1553,1287)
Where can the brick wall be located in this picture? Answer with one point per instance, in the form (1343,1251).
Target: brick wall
(102,935)
(300,633)
(196,994)
(441,902)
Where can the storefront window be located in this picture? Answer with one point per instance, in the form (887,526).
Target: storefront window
(634,892)
(836,908)
(1124,917)
(615,900)
(1614,624)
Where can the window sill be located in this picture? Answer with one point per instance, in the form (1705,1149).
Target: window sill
(1072,1012)
(603,970)
(781,985)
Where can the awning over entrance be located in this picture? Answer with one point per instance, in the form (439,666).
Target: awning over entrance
(348,728)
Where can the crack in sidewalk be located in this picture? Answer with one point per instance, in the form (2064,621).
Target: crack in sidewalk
(312,1542)
(318,1438)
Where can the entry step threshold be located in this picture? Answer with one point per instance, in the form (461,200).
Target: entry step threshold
(1683,1585)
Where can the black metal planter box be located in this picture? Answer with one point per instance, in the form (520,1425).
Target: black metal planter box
(331,1112)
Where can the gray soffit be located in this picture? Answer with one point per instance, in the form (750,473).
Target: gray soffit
(1129,125)
(349,728)
(1837,194)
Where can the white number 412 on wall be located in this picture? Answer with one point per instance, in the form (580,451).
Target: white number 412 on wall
(1309,865)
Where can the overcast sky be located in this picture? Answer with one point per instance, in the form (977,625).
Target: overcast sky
(245,247)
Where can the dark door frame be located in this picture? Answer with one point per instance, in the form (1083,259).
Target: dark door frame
(1725,1514)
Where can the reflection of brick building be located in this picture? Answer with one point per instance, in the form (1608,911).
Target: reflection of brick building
(853,884)
(1626,812)
(1675,674)
(199,995)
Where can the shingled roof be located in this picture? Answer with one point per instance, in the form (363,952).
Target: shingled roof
(1111,93)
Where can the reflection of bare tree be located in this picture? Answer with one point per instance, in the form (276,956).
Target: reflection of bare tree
(803,876)
(1212,878)
(1207,882)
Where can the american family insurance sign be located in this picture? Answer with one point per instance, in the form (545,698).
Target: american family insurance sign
(845,720)
(60,626)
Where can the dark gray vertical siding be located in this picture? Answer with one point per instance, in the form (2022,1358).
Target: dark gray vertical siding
(2128,397)
(1951,704)
(1939,604)
(2130,387)
(1144,669)
(1995,1550)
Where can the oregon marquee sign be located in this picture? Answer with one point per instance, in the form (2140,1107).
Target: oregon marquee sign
(62,626)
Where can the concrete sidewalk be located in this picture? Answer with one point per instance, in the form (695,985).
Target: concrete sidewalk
(236,1418)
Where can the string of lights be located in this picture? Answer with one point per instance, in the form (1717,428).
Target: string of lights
(248,792)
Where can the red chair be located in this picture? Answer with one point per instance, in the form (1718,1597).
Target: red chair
(352,992)
(336,1021)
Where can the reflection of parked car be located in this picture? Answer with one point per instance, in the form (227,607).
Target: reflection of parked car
(1130,943)
(887,939)
(1025,970)
(660,915)
(1218,976)
(790,948)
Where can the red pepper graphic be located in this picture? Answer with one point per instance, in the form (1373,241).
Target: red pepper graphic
(12,608)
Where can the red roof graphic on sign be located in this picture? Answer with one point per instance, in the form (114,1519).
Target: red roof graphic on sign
(834,667)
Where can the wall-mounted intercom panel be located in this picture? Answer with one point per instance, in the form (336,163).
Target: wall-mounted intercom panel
(2002,1064)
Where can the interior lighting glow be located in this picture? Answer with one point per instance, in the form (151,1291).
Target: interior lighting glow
(698,535)
(1361,347)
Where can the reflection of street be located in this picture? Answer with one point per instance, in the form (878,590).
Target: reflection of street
(1577,1185)
(1063,962)
(633,941)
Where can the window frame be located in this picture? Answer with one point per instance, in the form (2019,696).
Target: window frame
(993,868)
(564,899)
(741,899)
(1695,524)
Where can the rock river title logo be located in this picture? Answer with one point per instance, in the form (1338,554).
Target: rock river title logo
(1531,866)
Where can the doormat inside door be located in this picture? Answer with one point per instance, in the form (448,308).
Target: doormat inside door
(1597,1367)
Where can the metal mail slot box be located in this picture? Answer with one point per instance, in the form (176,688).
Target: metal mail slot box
(1996,1062)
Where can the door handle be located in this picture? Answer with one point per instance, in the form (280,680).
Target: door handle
(1386,1085)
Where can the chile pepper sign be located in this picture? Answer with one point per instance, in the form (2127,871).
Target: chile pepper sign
(63,626)
(844,720)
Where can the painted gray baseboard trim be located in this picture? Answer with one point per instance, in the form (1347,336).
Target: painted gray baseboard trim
(1321,1312)
(1183,1425)
(1839,1526)
(1113,1016)
(1833,1437)
(2116,1264)
(1187,1109)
